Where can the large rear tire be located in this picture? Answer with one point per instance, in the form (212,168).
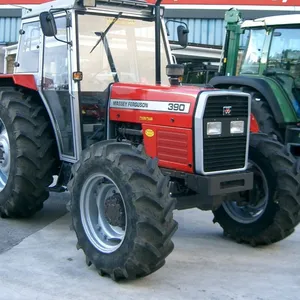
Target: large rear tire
(271,211)
(121,210)
(28,156)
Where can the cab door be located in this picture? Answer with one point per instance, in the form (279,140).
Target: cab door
(57,87)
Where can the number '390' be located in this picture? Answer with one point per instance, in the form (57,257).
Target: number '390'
(176,106)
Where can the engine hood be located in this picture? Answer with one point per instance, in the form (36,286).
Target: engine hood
(163,105)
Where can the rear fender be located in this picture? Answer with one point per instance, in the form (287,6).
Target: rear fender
(22,80)
(28,82)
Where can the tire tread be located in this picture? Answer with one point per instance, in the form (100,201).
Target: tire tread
(35,144)
(155,225)
(287,215)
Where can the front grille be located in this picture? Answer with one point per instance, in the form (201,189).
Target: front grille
(215,104)
(226,153)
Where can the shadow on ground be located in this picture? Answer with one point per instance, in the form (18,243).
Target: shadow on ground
(12,232)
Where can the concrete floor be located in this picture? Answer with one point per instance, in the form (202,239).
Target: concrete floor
(12,232)
(204,265)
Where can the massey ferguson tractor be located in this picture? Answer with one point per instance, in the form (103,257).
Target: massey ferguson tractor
(269,70)
(96,100)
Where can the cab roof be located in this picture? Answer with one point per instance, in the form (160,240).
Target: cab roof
(79,4)
(292,19)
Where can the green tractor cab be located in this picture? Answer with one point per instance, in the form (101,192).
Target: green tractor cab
(269,69)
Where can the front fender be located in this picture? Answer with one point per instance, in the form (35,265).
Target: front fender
(277,99)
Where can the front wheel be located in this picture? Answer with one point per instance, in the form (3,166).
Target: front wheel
(121,210)
(270,211)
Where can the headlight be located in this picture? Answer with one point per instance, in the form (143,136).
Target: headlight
(214,128)
(237,127)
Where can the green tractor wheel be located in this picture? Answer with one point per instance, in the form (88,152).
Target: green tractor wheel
(271,211)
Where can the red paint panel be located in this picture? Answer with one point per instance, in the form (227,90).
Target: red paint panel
(151,117)
(171,138)
(24,80)
(24,2)
(172,146)
(154,93)
(233,2)
(187,2)
(253,124)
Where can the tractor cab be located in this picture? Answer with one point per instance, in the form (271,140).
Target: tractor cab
(262,57)
(77,49)
(273,50)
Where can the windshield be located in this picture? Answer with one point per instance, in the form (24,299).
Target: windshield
(284,55)
(251,61)
(127,52)
(284,62)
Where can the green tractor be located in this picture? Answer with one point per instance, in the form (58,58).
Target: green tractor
(268,69)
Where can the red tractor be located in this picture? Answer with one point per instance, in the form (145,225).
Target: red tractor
(90,101)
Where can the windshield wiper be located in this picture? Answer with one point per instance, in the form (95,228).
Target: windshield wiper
(106,30)
(109,56)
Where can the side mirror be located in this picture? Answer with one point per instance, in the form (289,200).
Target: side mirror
(48,24)
(182,33)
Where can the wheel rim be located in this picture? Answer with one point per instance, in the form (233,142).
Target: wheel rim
(4,156)
(253,203)
(101,206)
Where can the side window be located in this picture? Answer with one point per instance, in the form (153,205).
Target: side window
(55,85)
(252,56)
(28,57)
(55,75)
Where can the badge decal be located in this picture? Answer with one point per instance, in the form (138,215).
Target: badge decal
(227,110)
(149,133)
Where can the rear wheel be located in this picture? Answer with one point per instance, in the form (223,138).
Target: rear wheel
(121,210)
(28,155)
(271,211)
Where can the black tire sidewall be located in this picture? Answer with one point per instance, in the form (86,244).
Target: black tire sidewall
(264,117)
(267,218)
(259,112)
(33,154)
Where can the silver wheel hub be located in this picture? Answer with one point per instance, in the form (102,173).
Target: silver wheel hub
(103,213)
(4,156)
